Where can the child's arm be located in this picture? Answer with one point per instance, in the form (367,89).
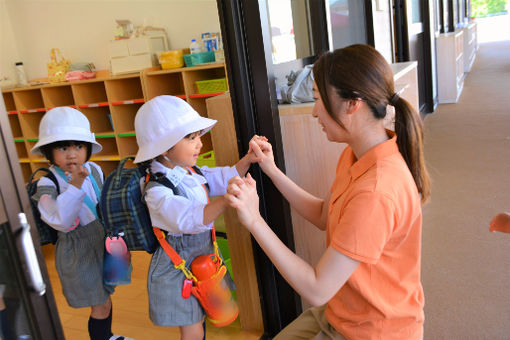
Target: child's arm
(312,208)
(244,163)
(60,212)
(214,209)
(501,222)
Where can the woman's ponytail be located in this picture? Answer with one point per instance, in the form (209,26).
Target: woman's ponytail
(409,131)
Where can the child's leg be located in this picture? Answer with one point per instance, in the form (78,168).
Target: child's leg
(100,321)
(192,332)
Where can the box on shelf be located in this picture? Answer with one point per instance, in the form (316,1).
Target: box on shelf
(195,59)
(135,54)
(171,59)
(212,86)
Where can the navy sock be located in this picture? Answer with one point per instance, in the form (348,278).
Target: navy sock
(5,329)
(100,329)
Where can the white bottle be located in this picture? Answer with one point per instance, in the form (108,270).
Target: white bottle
(21,75)
(195,47)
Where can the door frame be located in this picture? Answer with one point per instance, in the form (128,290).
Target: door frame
(247,45)
(41,310)
(401,17)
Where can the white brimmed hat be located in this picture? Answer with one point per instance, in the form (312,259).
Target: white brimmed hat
(162,122)
(64,123)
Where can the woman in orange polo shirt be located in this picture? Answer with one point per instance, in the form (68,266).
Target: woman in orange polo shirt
(367,283)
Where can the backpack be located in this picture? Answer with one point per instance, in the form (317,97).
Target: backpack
(123,209)
(46,233)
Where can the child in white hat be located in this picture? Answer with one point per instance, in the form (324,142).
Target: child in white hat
(66,141)
(168,132)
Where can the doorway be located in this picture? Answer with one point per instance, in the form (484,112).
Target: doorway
(412,24)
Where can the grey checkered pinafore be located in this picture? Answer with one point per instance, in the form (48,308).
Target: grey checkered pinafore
(79,258)
(167,307)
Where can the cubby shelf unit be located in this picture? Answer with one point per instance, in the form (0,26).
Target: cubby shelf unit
(110,104)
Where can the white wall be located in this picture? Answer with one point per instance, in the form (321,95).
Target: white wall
(8,45)
(81,29)
(382,28)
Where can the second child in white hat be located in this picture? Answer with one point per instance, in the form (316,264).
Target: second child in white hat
(66,141)
(168,132)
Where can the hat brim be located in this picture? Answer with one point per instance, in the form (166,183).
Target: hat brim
(154,149)
(36,150)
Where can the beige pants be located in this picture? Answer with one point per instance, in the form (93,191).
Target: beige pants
(311,324)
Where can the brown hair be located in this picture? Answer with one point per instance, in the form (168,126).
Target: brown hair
(359,71)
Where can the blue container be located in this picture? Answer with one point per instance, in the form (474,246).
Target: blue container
(195,59)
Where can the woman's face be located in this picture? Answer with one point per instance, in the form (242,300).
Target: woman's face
(334,132)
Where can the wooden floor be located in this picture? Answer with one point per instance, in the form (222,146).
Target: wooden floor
(130,309)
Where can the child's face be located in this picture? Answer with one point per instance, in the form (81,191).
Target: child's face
(185,152)
(66,157)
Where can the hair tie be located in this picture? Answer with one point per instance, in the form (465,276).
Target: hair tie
(394,99)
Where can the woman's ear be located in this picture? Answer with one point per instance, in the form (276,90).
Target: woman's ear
(353,105)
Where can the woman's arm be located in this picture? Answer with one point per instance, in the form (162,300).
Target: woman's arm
(316,285)
(312,208)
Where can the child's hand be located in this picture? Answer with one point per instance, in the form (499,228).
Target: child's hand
(78,173)
(500,222)
(263,152)
(242,195)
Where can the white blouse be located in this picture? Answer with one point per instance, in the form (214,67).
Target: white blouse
(62,213)
(185,215)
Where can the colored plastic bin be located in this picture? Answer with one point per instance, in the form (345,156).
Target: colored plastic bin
(211,85)
(195,59)
(206,159)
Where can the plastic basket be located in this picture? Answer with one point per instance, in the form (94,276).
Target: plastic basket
(212,85)
(206,159)
(171,59)
(195,59)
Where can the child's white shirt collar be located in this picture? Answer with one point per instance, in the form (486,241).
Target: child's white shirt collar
(177,174)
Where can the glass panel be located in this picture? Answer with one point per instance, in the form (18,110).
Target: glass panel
(13,316)
(416,11)
(347,18)
(290,33)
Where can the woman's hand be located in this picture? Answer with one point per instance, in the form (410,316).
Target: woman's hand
(242,195)
(77,175)
(501,222)
(263,152)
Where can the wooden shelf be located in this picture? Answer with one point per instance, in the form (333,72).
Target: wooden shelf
(109,103)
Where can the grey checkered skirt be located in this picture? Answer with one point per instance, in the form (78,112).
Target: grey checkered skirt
(79,260)
(167,307)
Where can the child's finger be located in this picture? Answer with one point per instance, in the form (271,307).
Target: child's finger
(257,150)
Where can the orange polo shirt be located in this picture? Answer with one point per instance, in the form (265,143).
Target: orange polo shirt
(375,218)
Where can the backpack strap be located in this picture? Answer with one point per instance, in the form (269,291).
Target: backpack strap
(49,174)
(96,176)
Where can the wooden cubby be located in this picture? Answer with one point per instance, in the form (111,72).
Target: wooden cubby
(15,126)
(110,104)
(57,96)
(123,117)
(21,149)
(29,123)
(90,93)
(164,82)
(127,144)
(28,99)
(99,118)
(9,102)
